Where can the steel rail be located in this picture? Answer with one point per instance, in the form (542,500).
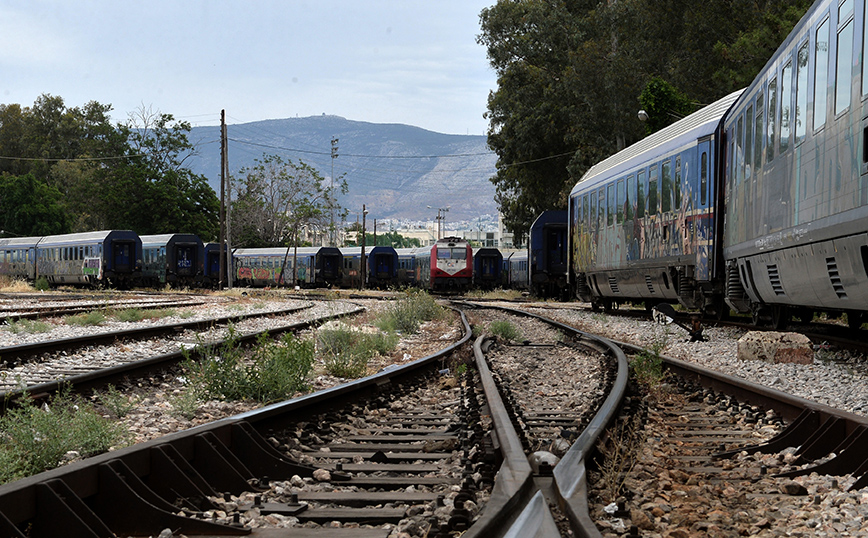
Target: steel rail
(111,494)
(142,332)
(570,477)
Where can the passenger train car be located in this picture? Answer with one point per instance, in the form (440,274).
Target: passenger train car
(758,202)
(796,169)
(406,266)
(548,255)
(304,266)
(103,258)
(212,265)
(445,266)
(644,223)
(487,268)
(515,271)
(175,259)
(381,266)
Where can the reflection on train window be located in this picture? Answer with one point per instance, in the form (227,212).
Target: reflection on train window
(748,142)
(821,74)
(653,204)
(610,204)
(640,196)
(801,91)
(592,223)
(758,137)
(601,206)
(843,73)
(666,185)
(677,184)
(770,128)
(620,195)
(629,198)
(786,93)
(703,178)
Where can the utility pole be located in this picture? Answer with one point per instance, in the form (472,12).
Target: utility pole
(332,193)
(222,198)
(227,211)
(364,267)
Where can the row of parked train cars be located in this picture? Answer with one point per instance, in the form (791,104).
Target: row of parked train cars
(757,203)
(120,258)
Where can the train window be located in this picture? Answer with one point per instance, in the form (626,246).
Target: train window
(666,186)
(821,74)
(738,155)
(864,46)
(601,207)
(748,143)
(758,137)
(610,205)
(770,128)
(677,183)
(844,74)
(620,196)
(592,216)
(629,198)
(703,178)
(801,91)
(640,194)
(459,254)
(653,204)
(585,215)
(786,96)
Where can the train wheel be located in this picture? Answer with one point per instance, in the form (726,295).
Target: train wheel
(780,317)
(596,306)
(855,319)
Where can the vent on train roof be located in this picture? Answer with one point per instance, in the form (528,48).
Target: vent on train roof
(649,284)
(613,285)
(775,280)
(835,278)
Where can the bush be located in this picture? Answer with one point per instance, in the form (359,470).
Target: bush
(27,326)
(347,351)
(35,439)
(273,370)
(647,365)
(116,401)
(407,314)
(41,284)
(505,330)
(90,318)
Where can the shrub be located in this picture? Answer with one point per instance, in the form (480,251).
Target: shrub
(27,326)
(116,401)
(647,365)
(274,370)
(41,284)
(347,351)
(407,314)
(90,318)
(35,439)
(505,330)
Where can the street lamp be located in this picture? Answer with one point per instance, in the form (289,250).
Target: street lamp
(364,266)
(441,216)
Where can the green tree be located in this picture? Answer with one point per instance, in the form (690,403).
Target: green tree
(663,104)
(276,200)
(29,207)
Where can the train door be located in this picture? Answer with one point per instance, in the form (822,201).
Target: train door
(700,228)
(122,256)
(556,249)
(185,260)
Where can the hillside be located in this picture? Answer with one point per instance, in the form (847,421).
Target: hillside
(396,170)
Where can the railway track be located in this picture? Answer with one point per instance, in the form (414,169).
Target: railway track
(414,448)
(11,308)
(99,370)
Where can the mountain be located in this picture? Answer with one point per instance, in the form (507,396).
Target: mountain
(396,170)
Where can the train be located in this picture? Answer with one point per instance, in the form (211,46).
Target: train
(757,203)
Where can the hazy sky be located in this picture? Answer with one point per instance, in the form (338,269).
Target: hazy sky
(384,61)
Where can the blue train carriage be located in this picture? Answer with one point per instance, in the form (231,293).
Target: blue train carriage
(406,266)
(382,264)
(797,175)
(643,225)
(18,258)
(174,259)
(212,264)
(517,270)
(487,268)
(104,258)
(548,255)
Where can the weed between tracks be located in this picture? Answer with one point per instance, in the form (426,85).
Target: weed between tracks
(36,438)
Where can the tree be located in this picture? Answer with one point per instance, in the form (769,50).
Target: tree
(277,199)
(29,207)
(663,104)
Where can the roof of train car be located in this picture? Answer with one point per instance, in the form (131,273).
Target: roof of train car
(19,242)
(550,216)
(86,237)
(701,123)
(276,251)
(162,239)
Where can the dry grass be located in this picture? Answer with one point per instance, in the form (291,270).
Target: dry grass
(11,285)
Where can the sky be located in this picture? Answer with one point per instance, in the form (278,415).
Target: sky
(383,61)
